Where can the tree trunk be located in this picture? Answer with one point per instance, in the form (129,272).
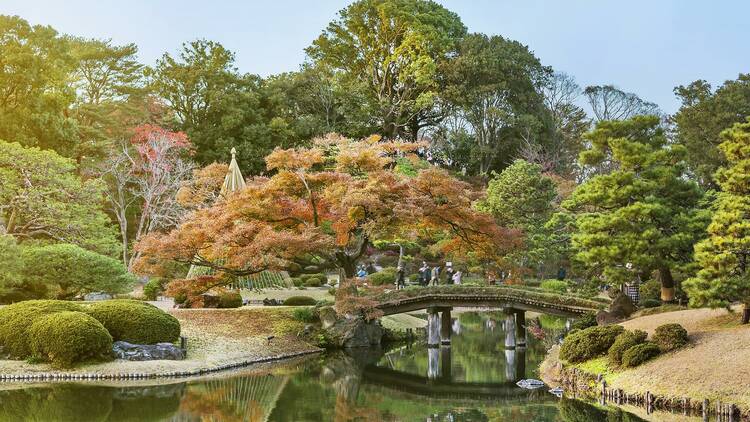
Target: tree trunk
(667,285)
(746,313)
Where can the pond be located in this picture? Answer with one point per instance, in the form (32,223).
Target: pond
(472,380)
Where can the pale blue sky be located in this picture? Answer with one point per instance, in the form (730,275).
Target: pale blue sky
(643,46)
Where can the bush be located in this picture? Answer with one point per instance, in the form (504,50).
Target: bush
(650,303)
(230,299)
(153,288)
(305,315)
(650,290)
(299,301)
(135,322)
(639,353)
(67,338)
(385,276)
(589,343)
(297,281)
(16,319)
(557,286)
(622,343)
(313,280)
(670,336)
(587,320)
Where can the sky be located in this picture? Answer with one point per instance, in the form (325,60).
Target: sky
(643,46)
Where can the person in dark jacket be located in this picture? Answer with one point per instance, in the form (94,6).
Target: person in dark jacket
(400,278)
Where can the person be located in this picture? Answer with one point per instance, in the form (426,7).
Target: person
(435,275)
(457,278)
(449,273)
(400,278)
(361,273)
(424,274)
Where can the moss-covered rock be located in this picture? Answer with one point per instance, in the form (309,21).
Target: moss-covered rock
(135,321)
(70,337)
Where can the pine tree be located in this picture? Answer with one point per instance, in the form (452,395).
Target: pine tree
(723,256)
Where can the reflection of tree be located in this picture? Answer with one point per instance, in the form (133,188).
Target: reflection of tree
(578,411)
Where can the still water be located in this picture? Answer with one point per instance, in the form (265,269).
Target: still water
(472,380)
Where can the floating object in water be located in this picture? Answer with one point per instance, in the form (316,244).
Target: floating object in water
(557,391)
(530,384)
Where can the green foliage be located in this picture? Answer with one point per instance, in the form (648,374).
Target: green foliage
(296,281)
(44,198)
(670,337)
(589,343)
(586,321)
(231,299)
(12,286)
(305,314)
(16,319)
(650,290)
(650,303)
(639,353)
(135,321)
(67,338)
(299,301)
(642,210)
(153,288)
(313,280)
(69,271)
(556,286)
(622,343)
(383,277)
(723,277)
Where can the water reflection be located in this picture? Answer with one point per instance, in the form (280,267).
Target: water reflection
(471,380)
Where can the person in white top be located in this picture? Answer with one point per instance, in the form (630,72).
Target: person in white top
(457,277)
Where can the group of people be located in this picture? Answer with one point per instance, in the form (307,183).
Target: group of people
(434,276)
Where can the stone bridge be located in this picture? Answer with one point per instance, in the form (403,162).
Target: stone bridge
(515,301)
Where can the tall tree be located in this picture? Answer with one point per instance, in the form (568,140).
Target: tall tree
(704,114)
(392,50)
(643,213)
(611,103)
(724,257)
(495,85)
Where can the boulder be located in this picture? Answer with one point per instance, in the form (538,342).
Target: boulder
(158,351)
(621,306)
(327,316)
(355,332)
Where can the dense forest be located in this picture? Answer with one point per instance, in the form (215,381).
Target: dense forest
(99,150)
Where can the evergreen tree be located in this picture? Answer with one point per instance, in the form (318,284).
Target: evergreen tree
(723,256)
(643,212)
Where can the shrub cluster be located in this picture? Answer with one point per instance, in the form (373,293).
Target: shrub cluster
(586,321)
(385,276)
(230,299)
(639,353)
(299,301)
(669,337)
(650,290)
(153,288)
(557,286)
(135,321)
(69,337)
(650,303)
(305,315)
(622,343)
(16,319)
(589,343)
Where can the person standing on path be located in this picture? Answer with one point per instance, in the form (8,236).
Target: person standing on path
(400,278)
(435,275)
(424,274)
(457,278)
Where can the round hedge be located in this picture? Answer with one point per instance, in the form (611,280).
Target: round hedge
(589,343)
(231,299)
(622,343)
(639,353)
(383,277)
(299,301)
(556,286)
(135,321)
(70,337)
(670,336)
(16,319)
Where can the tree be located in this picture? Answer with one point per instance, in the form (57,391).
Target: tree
(322,209)
(704,114)
(725,255)
(644,213)
(610,103)
(68,271)
(391,50)
(10,269)
(34,94)
(143,178)
(42,198)
(521,197)
(494,84)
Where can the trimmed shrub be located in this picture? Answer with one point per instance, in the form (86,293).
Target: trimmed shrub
(586,321)
(70,337)
(557,286)
(297,281)
(231,299)
(650,303)
(153,288)
(299,301)
(16,319)
(670,336)
(385,276)
(623,342)
(650,290)
(589,343)
(639,353)
(313,280)
(135,321)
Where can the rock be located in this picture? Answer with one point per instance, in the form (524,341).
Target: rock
(272,302)
(158,351)
(621,306)
(606,318)
(355,332)
(327,316)
(210,300)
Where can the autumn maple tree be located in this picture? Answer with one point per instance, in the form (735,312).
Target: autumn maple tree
(321,209)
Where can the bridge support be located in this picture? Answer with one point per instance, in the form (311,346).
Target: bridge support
(433,327)
(445,363)
(510,329)
(433,363)
(446,328)
(520,328)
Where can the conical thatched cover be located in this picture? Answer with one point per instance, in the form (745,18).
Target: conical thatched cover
(233,181)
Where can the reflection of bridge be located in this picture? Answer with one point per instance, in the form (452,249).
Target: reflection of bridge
(439,301)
